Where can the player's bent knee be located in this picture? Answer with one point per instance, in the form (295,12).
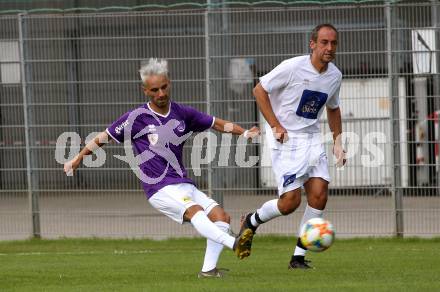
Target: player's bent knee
(286,210)
(318,201)
(226,218)
(218,214)
(191,211)
(287,206)
(221,216)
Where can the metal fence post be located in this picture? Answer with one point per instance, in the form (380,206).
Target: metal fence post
(208,92)
(396,187)
(33,196)
(63,56)
(436,78)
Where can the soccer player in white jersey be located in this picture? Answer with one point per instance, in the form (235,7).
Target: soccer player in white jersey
(157,131)
(292,98)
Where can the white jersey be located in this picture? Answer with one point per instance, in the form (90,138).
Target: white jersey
(298,93)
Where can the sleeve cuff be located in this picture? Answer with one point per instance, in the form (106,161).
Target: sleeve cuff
(263,84)
(333,107)
(108,132)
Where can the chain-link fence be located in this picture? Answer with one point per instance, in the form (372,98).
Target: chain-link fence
(77,73)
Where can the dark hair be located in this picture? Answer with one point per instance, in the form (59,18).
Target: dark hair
(314,34)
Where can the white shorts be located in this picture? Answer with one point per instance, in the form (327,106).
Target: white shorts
(301,158)
(173,200)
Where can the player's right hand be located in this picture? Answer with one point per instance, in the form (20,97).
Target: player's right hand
(71,166)
(252,132)
(340,155)
(280,134)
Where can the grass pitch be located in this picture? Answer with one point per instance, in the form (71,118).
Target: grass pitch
(172,265)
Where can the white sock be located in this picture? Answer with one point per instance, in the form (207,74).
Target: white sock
(214,249)
(299,251)
(267,212)
(209,230)
(309,213)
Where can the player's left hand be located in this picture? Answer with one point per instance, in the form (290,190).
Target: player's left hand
(252,133)
(71,166)
(339,153)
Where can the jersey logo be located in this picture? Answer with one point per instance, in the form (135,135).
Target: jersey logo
(289,179)
(181,127)
(310,104)
(186,199)
(119,128)
(151,128)
(153,138)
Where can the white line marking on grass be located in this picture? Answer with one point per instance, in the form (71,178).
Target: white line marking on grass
(116,252)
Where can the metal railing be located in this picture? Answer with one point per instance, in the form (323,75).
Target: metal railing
(78,73)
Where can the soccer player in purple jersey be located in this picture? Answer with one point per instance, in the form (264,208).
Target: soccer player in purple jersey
(157,131)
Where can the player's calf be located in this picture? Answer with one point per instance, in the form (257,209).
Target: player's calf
(289,202)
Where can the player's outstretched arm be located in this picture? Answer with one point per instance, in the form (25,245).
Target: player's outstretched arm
(100,139)
(263,102)
(229,127)
(335,124)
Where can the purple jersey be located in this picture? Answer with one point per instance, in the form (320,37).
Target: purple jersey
(158,140)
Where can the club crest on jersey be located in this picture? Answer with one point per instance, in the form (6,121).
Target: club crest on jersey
(181,127)
(311,103)
(289,179)
(153,138)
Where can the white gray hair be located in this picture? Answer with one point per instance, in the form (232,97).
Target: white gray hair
(154,66)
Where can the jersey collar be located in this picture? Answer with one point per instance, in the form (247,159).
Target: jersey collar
(314,69)
(161,115)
